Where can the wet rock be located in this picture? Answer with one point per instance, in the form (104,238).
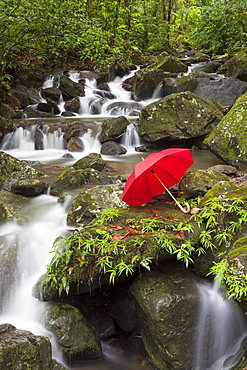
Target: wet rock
(21,349)
(224,90)
(90,202)
(167,310)
(93,160)
(227,170)
(123,310)
(109,71)
(26,96)
(76,338)
(11,206)
(52,93)
(70,89)
(179,116)
(170,64)
(73,129)
(31,112)
(70,178)
(237,66)
(228,139)
(198,182)
(112,148)
(145,81)
(14,169)
(72,105)
(44,107)
(113,128)
(105,328)
(29,187)
(176,85)
(55,108)
(75,144)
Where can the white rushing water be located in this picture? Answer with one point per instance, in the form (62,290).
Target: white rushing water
(222,326)
(45,220)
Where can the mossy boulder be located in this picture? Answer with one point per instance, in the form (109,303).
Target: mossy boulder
(12,169)
(90,202)
(70,89)
(170,64)
(145,81)
(198,182)
(227,140)
(76,338)
(73,129)
(237,66)
(11,206)
(178,116)
(72,178)
(20,349)
(167,311)
(113,128)
(29,187)
(93,160)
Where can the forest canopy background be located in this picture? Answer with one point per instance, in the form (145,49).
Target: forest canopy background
(57,32)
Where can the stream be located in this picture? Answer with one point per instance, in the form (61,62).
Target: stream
(222,325)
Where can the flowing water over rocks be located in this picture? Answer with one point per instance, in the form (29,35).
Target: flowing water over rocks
(45,220)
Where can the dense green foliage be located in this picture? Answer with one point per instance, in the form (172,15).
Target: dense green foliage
(88,255)
(56,32)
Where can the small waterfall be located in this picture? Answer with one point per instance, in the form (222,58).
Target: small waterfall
(45,220)
(26,140)
(130,139)
(222,326)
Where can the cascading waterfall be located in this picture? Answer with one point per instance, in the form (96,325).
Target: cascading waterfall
(45,220)
(130,139)
(221,328)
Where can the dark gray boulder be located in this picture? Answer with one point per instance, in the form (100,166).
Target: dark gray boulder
(167,310)
(112,148)
(76,338)
(29,187)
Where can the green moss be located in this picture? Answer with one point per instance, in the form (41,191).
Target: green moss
(239,247)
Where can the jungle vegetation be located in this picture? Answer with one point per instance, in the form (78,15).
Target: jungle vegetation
(52,33)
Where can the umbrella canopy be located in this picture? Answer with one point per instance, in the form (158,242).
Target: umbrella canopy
(155,174)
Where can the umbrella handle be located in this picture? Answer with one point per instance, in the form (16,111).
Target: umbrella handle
(187,210)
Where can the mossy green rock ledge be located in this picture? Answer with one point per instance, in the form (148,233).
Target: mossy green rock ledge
(228,139)
(178,116)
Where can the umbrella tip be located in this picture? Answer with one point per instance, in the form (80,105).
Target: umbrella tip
(142,158)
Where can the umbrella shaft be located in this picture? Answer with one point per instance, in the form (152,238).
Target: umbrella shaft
(168,191)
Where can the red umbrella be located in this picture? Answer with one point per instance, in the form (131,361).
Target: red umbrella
(155,174)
